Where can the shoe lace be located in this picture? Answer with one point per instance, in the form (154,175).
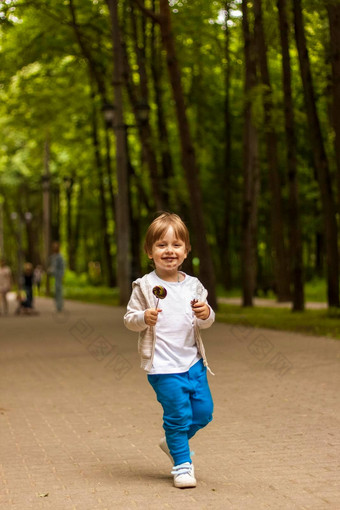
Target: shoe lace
(182,469)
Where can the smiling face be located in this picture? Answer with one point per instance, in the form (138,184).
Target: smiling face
(168,254)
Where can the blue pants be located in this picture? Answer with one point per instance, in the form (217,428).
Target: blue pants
(187,406)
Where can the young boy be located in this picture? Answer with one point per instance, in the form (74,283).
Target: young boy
(170,344)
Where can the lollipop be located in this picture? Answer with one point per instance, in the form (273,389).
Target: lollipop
(160,293)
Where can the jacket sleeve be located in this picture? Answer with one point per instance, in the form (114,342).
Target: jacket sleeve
(134,317)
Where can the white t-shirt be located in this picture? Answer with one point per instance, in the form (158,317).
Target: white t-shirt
(175,349)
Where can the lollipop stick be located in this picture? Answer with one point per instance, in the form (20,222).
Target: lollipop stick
(157,303)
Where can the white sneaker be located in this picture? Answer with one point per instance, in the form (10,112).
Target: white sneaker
(184,475)
(164,446)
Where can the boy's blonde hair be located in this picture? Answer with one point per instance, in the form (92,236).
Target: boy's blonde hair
(160,225)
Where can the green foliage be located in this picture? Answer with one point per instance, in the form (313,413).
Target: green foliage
(49,91)
(72,279)
(90,294)
(80,287)
(315,291)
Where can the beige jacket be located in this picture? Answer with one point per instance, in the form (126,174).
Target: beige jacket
(141,299)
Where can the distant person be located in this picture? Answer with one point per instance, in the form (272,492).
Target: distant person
(28,284)
(26,305)
(5,284)
(57,269)
(37,277)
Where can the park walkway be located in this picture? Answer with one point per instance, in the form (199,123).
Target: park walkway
(79,424)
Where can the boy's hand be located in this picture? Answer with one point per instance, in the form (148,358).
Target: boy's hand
(201,310)
(151,316)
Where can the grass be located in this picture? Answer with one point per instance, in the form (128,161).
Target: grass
(310,322)
(315,291)
(80,288)
(88,294)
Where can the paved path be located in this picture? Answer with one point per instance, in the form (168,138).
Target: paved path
(79,424)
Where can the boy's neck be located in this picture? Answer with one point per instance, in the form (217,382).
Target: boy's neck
(172,277)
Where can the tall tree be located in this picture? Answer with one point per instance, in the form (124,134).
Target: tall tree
(46,182)
(227,153)
(188,155)
(333,9)
(97,76)
(320,160)
(139,99)
(69,182)
(78,220)
(122,201)
(282,279)
(250,169)
(102,198)
(294,214)
(163,135)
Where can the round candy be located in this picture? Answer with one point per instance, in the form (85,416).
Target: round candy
(159,291)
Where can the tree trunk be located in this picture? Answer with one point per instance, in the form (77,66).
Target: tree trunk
(226,276)
(188,155)
(78,222)
(334,26)
(122,201)
(109,168)
(320,160)
(164,144)
(46,185)
(319,254)
(250,170)
(294,215)
(102,200)
(97,74)
(69,231)
(55,212)
(277,224)
(139,97)
(2,246)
